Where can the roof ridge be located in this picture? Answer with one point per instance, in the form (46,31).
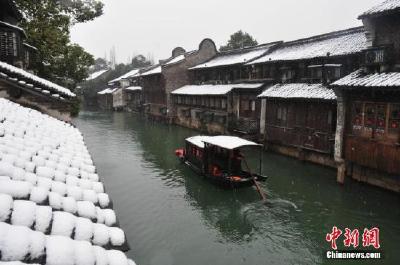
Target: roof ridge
(249,48)
(324,36)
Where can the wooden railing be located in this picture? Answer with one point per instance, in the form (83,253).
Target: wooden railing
(245,126)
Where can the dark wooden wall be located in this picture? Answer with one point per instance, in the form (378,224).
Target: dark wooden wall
(373,131)
(304,124)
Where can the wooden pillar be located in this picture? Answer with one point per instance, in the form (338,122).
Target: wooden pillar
(339,137)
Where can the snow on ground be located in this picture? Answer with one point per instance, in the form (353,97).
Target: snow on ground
(53,209)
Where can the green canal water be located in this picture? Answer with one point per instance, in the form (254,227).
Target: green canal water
(172,216)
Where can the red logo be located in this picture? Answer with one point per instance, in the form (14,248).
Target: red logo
(370,237)
(332,237)
(351,238)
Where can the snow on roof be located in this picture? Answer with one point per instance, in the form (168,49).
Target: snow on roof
(53,209)
(337,43)
(30,46)
(107,91)
(359,79)
(133,88)
(299,91)
(385,7)
(177,59)
(31,81)
(228,142)
(125,76)
(156,70)
(8,25)
(200,90)
(97,74)
(236,56)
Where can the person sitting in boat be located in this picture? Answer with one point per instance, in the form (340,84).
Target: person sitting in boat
(236,162)
(216,170)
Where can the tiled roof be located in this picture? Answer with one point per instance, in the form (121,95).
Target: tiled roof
(152,71)
(133,88)
(177,59)
(239,56)
(299,91)
(388,6)
(97,74)
(360,79)
(200,90)
(337,43)
(53,207)
(157,68)
(32,82)
(124,76)
(107,91)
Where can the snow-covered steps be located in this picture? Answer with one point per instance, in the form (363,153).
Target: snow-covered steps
(53,207)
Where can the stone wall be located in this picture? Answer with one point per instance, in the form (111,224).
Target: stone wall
(178,75)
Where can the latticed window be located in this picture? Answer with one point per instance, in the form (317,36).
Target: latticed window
(394,118)
(8,44)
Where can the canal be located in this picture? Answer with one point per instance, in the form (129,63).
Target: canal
(171,216)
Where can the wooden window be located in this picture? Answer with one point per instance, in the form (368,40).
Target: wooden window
(312,113)
(288,75)
(207,102)
(281,115)
(223,103)
(357,116)
(381,117)
(244,105)
(330,117)
(212,102)
(394,118)
(253,105)
(315,72)
(370,115)
(218,103)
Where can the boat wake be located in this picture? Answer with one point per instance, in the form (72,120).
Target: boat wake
(281,203)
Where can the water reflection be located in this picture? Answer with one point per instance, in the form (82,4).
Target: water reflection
(173,216)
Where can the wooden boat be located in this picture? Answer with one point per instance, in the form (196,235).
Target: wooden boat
(219,159)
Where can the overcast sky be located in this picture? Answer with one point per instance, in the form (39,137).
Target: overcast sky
(158,26)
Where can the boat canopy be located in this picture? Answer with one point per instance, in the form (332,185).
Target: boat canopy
(198,140)
(226,142)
